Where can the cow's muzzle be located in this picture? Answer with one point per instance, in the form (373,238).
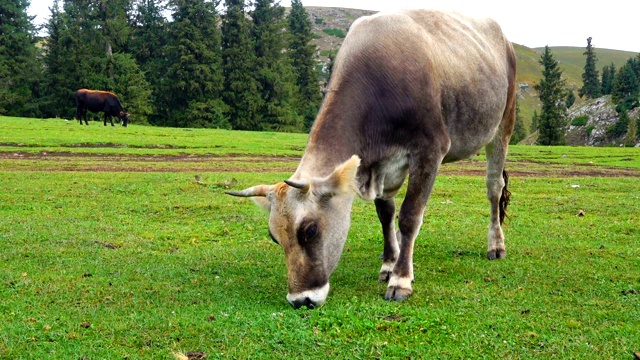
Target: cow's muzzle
(311,299)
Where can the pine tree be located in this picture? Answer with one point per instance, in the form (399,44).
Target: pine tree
(626,85)
(535,120)
(274,71)
(131,86)
(635,64)
(193,81)
(19,67)
(590,80)
(148,31)
(148,44)
(571,99)
(519,132)
(608,74)
(241,89)
(620,127)
(57,97)
(551,91)
(302,51)
(332,58)
(111,17)
(78,40)
(632,134)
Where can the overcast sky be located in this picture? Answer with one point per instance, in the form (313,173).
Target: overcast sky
(611,24)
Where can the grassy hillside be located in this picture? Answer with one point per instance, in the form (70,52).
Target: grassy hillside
(571,60)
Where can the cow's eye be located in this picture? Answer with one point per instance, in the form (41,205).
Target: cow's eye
(311,231)
(307,232)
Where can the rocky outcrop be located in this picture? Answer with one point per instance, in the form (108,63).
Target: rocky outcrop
(600,114)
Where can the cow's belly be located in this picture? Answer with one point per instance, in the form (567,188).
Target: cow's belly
(467,148)
(471,128)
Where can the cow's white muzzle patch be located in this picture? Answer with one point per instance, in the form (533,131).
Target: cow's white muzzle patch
(310,298)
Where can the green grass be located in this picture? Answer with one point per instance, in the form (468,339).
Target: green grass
(63,135)
(335,32)
(138,264)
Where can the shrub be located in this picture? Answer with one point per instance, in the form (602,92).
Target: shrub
(580,120)
(319,21)
(590,130)
(629,103)
(619,127)
(335,32)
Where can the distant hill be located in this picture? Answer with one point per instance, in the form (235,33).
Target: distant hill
(330,23)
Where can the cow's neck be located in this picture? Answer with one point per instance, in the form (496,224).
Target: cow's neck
(332,138)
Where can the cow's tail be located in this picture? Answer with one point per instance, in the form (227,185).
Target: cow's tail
(505,197)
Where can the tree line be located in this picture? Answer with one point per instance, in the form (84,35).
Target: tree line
(622,84)
(184,63)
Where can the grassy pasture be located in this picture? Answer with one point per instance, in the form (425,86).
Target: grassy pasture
(111,249)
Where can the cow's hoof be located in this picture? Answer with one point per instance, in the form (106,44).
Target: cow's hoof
(397,293)
(386,270)
(496,254)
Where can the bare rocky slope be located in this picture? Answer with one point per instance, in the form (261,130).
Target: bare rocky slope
(326,19)
(601,114)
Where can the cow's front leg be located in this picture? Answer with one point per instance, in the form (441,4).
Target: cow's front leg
(386,210)
(421,181)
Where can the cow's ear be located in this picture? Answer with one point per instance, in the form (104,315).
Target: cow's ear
(263,202)
(341,181)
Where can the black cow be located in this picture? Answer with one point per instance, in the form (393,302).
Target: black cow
(97,101)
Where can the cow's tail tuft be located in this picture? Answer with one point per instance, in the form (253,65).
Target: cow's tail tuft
(505,197)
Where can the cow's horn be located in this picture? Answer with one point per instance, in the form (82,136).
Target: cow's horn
(258,190)
(302,186)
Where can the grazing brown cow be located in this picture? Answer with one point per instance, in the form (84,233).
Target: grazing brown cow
(410,90)
(99,101)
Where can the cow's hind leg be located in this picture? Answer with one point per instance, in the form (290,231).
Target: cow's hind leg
(386,210)
(498,196)
(82,114)
(497,181)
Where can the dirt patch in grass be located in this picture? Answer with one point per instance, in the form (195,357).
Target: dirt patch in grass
(70,161)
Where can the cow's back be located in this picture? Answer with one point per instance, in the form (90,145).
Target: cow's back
(97,100)
(423,58)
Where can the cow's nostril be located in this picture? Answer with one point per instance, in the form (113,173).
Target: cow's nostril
(309,304)
(306,302)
